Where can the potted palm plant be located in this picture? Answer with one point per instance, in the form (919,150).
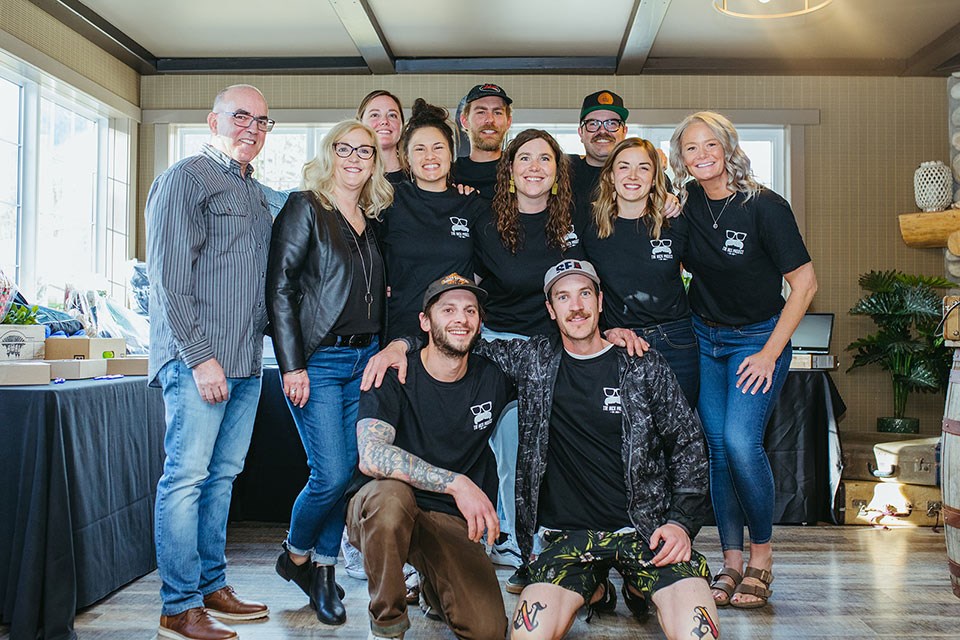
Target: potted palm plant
(907,311)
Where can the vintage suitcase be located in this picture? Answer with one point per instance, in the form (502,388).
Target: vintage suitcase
(889,504)
(909,461)
(857,455)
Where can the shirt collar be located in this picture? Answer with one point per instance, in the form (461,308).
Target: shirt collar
(225,161)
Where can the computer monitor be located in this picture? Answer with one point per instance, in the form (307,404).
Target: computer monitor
(813,333)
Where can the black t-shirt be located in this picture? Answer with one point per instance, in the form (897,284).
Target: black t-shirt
(482,176)
(396,177)
(357,316)
(447,424)
(425,236)
(584,486)
(583,181)
(640,276)
(514,282)
(737,267)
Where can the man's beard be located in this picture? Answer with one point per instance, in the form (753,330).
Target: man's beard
(447,348)
(486,144)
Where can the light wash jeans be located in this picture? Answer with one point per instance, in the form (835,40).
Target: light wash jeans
(504,442)
(328,429)
(205,446)
(741,482)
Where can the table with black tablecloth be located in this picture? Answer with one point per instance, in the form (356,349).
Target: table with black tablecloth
(801,441)
(79,464)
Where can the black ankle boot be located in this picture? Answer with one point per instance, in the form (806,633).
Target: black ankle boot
(301,575)
(324,592)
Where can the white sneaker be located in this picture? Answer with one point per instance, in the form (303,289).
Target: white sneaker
(352,560)
(506,553)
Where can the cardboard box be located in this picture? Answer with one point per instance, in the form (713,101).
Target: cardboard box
(14,373)
(22,341)
(84,348)
(77,369)
(129,366)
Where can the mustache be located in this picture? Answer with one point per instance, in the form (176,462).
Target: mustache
(578,315)
(602,137)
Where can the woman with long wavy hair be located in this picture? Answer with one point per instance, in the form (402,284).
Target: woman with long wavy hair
(326,300)
(638,253)
(743,243)
(528,229)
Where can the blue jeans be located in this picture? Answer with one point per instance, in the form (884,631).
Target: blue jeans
(328,429)
(504,442)
(205,446)
(677,343)
(741,483)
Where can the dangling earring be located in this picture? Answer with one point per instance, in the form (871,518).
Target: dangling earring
(553,189)
(513,187)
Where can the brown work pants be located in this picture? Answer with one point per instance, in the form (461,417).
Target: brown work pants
(385,524)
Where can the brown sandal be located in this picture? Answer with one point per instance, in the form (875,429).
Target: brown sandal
(726,587)
(763,593)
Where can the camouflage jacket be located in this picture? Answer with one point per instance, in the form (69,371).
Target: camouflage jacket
(664,451)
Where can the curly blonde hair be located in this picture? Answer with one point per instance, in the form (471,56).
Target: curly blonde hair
(737,164)
(605,206)
(318,174)
(506,211)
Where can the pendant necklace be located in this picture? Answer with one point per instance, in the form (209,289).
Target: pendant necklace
(716,220)
(367,276)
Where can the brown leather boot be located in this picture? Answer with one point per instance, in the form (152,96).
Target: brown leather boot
(194,624)
(227,605)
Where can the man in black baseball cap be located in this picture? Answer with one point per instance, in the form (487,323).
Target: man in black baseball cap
(603,123)
(430,475)
(486,117)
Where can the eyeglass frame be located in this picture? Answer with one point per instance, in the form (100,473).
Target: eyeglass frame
(264,123)
(588,123)
(353,149)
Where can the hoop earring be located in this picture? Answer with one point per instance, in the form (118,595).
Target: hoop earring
(553,189)
(513,187)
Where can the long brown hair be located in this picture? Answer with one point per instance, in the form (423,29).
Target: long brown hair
(506,211)
(605,206)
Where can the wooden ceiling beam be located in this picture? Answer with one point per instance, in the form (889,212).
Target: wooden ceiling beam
(939,58)
(642,29)
(358,19)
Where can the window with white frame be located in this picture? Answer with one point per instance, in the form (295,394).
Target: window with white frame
(64,187)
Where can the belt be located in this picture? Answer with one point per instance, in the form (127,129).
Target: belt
(357,340)
(717,325)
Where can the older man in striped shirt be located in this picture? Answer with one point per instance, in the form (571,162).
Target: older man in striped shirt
(208,232)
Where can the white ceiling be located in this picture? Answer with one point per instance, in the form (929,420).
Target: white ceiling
(876,37)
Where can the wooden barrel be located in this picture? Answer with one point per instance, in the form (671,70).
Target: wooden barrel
(950,470)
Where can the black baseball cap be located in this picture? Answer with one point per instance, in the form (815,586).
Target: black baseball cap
(488,90)
(607,100)
(450,282)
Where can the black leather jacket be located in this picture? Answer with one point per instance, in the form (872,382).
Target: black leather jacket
(309,272)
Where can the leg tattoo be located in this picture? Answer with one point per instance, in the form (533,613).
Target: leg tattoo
(705,625)
(527,616)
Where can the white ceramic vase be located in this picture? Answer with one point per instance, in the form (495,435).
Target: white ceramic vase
(933,186)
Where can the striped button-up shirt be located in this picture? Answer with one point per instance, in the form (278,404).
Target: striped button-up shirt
(208,233)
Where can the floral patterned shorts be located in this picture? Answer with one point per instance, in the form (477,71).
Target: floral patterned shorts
(580,560)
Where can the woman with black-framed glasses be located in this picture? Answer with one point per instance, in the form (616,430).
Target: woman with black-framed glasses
(326,300)
(744,242)
(638,252)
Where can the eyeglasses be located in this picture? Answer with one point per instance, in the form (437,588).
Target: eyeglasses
(345,150)
(593,125)
(243,119)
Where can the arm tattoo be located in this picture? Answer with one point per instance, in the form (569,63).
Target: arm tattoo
(526,617)
(379,458)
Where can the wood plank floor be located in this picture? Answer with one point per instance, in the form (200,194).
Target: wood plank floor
(831,582)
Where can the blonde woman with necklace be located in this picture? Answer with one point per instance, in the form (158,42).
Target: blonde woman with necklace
(744,241)
(326,299)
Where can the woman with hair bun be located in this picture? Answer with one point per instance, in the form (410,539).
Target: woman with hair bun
(428,231)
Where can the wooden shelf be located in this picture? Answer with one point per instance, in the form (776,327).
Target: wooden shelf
(933,229)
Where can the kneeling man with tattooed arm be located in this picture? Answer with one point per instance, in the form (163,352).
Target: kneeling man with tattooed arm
(612,469)
(432,478)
